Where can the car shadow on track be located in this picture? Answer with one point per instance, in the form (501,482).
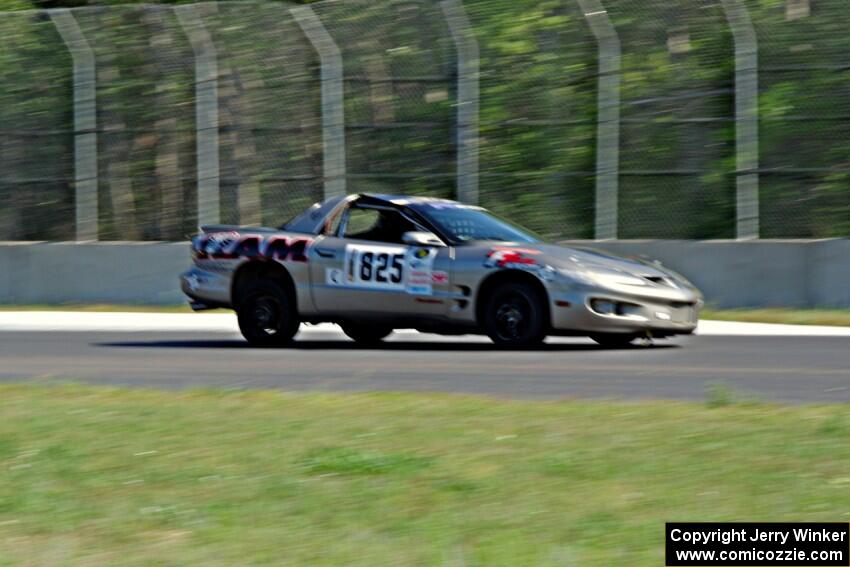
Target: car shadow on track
(385,346)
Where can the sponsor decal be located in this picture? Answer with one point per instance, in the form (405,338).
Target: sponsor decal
(440,277)
(214,243)
(419,280)
(511,257)
(419,258)
(334,276)
(232,246)
(284,248)
(519,259)
(416,289)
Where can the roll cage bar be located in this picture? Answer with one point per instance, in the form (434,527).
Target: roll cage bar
(368,201)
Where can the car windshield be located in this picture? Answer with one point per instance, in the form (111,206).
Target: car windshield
(463,223)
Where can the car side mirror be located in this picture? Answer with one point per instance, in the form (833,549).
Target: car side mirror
(421,238)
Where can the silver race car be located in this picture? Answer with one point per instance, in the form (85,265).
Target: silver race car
(374,263)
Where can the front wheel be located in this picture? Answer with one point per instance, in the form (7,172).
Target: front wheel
(267,315)
(366,334)
(614,340)
(515,315)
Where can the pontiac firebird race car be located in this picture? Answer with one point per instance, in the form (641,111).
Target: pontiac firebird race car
(374,263)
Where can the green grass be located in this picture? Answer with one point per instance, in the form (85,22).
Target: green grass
(104,308)
(772,315)
(839,317)
(106,477)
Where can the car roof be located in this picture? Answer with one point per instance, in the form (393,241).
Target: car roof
(401,200)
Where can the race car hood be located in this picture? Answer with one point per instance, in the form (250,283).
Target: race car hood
(572,259)
(586,259)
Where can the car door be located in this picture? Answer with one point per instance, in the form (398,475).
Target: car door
(362,269)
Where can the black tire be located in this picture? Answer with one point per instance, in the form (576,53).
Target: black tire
(516,315)
(366,334)
(267,314)
(614,340)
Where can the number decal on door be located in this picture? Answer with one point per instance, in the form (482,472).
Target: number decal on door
(380,267)
(396,269)
(366,266)
(386,267)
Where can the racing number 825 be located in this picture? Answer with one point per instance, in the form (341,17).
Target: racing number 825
(374,267)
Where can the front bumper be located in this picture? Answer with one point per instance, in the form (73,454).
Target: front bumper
(674,312)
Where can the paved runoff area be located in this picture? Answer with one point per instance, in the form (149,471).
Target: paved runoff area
(71,321)
(794,363)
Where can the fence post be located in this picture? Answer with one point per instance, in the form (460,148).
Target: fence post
(608,119)
(333,112)
(746,118)
(468,76)
(85,123)
(206,113)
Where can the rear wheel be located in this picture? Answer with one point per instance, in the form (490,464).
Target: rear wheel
(614,340)
(366,334)
(267,315)
(515,315)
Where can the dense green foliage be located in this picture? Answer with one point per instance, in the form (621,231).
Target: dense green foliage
(538,114)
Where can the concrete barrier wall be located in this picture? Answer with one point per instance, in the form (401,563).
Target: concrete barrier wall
(792,273)
(758,273)
(114,272)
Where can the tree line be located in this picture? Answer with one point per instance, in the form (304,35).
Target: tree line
(538,84)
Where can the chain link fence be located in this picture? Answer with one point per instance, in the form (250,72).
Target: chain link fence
(677,169)
(804,83)
(398,83)
(576,118)
(538,113)
(36,131)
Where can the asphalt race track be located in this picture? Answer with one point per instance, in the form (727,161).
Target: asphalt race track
(771,368)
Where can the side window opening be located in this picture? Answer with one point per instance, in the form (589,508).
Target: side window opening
(361,222)
(377,225)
